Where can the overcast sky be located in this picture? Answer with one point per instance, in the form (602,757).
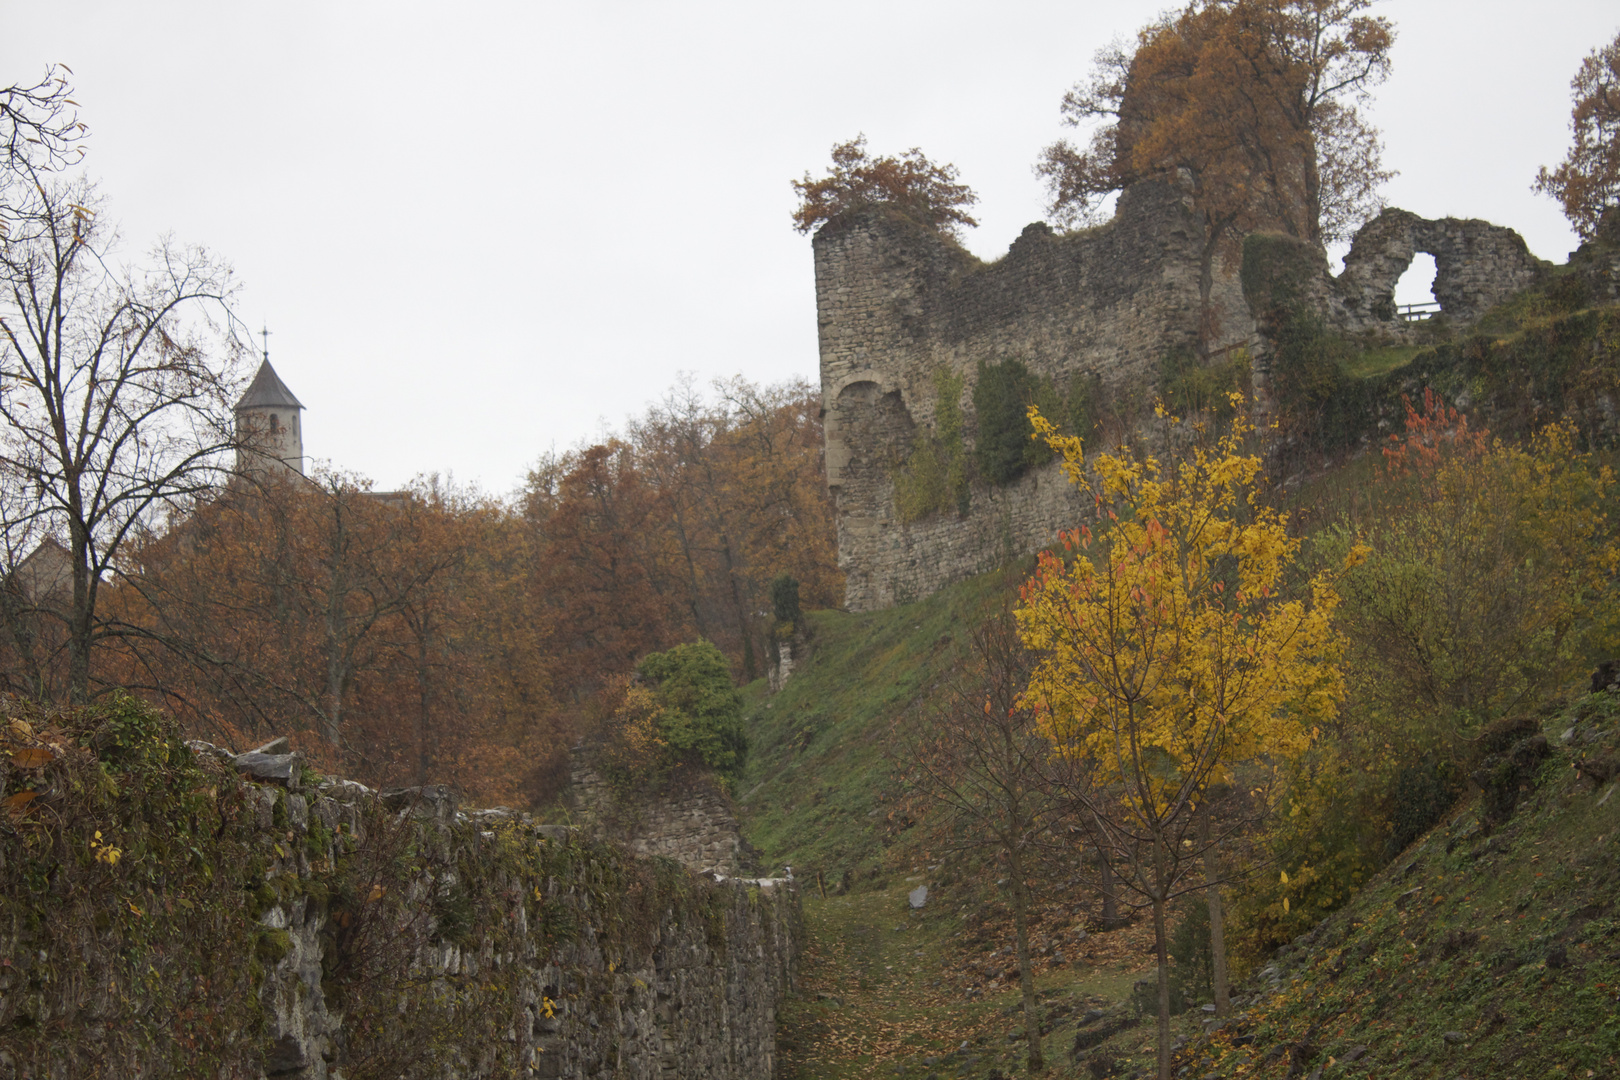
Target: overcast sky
(481,230)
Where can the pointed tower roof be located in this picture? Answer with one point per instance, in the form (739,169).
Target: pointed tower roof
(267,389)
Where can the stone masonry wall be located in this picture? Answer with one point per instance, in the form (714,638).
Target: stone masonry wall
(401,936)
(895,302)
(690,820)
(1477,266)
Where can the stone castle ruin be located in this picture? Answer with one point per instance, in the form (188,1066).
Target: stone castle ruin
(898,305)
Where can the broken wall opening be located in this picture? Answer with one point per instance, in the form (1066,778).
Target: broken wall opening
(1414,289)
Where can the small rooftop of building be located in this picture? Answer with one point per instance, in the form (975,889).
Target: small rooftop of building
(267,390)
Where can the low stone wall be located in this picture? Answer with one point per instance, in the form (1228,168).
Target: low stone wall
(370,935)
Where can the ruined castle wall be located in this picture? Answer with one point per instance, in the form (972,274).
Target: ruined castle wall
(1477,266)
(895,302)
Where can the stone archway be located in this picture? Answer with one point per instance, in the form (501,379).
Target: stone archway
(1477,265)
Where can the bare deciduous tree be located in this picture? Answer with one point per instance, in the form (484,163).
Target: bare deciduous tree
(40,131)
(115,390)
(980,758)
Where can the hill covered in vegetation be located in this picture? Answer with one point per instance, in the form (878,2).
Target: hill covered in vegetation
(1429,890)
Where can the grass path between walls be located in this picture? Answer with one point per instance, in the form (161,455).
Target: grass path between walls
(885,990)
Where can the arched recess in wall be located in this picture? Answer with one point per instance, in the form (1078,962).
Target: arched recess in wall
(867,430)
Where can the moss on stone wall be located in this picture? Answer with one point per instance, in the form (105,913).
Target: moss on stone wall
(1003,447)
(934,477)
(1278,271)
(119,852)
(1522,368)
(161,916)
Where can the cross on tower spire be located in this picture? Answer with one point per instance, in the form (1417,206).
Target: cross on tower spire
(265,333)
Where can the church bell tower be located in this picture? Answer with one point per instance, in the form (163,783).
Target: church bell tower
(267,425)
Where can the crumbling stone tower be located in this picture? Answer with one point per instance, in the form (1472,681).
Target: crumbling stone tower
(895,301)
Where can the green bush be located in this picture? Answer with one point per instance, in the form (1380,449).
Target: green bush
(1001,400)
(785,602)
(1083,409)
(701,711)
(1420,794)
(1189,385)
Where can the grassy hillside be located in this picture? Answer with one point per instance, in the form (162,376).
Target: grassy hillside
(1481,951)
(818,792)
(1488,948)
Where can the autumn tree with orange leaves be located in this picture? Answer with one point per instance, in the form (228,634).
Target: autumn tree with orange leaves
(928,193)
(387,628)
(673,532)
(1254,103)
(1587,181)
(1256,99)
(433,635)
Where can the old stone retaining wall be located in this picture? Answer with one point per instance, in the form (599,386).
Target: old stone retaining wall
(687,819)
(386,935)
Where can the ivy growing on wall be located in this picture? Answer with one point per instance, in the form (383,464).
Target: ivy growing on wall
(934,477)
(1001,400)
(1084,408)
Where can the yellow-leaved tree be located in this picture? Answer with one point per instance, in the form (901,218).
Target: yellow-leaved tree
(1176,652)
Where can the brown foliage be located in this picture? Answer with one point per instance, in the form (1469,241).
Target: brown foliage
(118,381)
(386,627)
(923,191)
(432,635)
(675,532)
(1254,100)
(1587,182)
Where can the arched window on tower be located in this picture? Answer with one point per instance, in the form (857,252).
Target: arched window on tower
(275,423)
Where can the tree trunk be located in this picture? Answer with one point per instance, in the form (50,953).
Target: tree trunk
(424,756)
(81,620)
(1026,977)
(332,714)
(1311,228)
(1160,947)
(1110,894)
(750,666)
(1217,921)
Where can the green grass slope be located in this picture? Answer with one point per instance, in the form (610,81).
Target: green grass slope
(1480,952)
(818,792)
